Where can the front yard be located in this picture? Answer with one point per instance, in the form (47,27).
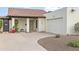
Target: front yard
(35,42)
(59,44)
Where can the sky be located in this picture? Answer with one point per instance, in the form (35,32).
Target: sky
(3,11)
(39,3)
(48,5)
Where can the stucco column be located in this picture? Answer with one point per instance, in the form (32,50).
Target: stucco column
(39,25)
(27,24)
(46,25)
(13,22)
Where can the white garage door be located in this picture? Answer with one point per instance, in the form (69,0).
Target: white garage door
(56,26)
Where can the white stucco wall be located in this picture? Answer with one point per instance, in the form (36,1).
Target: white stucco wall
(56,21)
(41,24)
(72,19)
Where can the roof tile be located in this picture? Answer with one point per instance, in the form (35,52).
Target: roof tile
(26,12)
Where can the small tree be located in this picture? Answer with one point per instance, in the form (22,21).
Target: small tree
(76,27)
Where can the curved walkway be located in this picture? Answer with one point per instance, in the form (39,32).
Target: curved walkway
(21,41)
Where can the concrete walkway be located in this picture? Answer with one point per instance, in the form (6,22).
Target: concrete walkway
(21,41)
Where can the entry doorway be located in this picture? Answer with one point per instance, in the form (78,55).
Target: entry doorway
(33,25)
(5,25)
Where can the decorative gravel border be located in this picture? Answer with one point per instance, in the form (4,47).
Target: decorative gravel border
(58,44)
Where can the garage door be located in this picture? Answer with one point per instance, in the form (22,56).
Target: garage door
(56,26)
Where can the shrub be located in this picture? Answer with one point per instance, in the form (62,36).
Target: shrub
(76,27)
(73,43)
(57,36)
(0,24)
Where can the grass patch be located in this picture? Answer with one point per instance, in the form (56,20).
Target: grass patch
(73,43)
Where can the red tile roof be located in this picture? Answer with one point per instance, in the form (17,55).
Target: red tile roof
(26,12)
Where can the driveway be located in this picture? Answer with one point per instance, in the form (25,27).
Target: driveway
(21,41)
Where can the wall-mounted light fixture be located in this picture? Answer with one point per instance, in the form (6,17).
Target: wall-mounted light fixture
(72,10)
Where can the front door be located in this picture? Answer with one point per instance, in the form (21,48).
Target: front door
(5,25)
(32,25)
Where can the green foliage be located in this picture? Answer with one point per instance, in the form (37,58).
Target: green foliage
(1,23)
(16,25)
(76,27)
(73,43)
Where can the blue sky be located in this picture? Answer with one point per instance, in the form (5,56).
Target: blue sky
(35,4)
(3,11)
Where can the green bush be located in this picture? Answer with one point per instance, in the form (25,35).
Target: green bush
(76,27)
(73,43)
(0,24)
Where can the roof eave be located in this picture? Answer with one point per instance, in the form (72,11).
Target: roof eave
(27,16)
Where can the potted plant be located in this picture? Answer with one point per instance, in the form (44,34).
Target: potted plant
(12,30)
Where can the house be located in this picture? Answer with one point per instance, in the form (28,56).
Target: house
(28,20)
(62,21)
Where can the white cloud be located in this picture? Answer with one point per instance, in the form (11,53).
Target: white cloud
(52,8)
(39,3)
(23,3)
(49,4)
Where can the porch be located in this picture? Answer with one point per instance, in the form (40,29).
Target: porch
(33,24)
(27,24)
(23,24)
